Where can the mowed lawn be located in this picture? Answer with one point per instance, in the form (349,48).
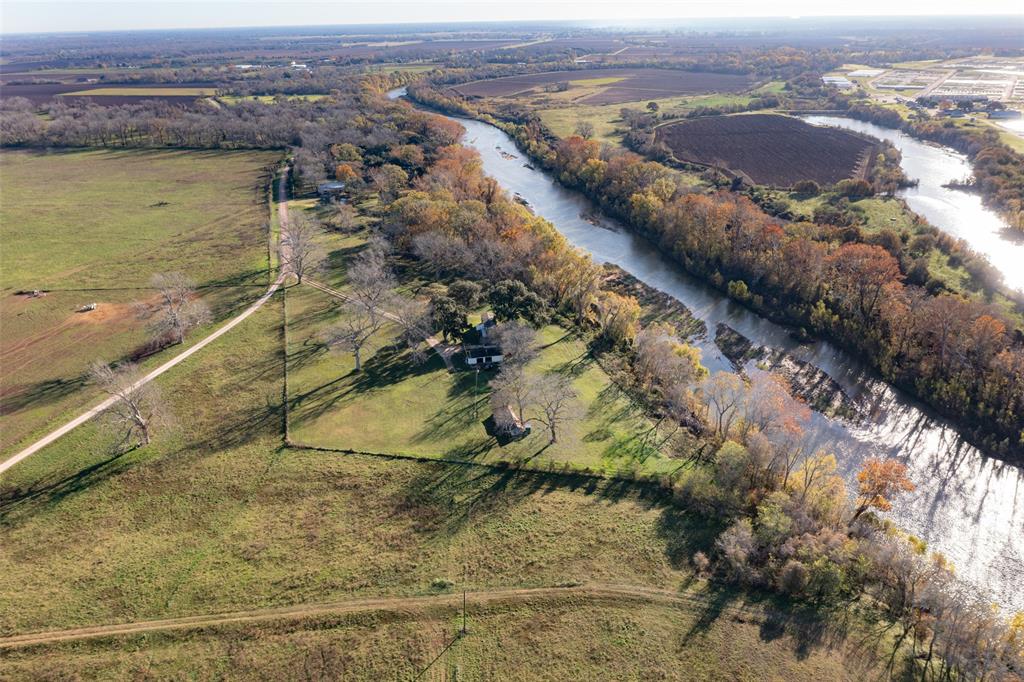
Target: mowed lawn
(94,227)
(396,406)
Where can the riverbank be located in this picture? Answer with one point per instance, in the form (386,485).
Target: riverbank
(967,505)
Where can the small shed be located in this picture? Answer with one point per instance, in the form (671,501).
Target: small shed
(330,190)
(506,423)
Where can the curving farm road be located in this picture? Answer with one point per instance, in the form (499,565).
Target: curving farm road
(282,208)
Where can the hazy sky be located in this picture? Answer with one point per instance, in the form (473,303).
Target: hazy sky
(17,16)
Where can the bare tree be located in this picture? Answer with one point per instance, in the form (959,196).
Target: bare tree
(178,310)
(137,407)
(553,394)
(518,342)
(413,319)
(585,129)
(371,283)
(300,253)
(357,328)
(514,388)
(342,216)
(723,393)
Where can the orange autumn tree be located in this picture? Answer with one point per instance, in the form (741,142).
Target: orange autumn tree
(345,173)
(877,482)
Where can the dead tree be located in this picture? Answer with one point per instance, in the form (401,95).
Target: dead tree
(552,394)
(138,407)
(357,328)
(300,253)
(178,310)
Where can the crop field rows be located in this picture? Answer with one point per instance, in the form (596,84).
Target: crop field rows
(769,149)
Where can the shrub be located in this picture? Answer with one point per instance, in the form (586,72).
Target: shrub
(793,577)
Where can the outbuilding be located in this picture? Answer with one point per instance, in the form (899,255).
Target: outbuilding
(331,189)
(483,356)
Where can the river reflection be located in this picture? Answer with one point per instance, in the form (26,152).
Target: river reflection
(959,213)
(968,506)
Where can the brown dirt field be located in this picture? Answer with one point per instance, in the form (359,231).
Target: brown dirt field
(634,83)
(768,149)
(41,93)
(75,329)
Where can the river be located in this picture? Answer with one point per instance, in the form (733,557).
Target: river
(957,212)
(967,505)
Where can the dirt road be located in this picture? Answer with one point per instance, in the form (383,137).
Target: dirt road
(184,355)
(409,605)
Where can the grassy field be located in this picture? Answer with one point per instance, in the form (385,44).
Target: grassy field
(538,641)
(215,515)
(563,118)
(219,515)
(396,406)
(93,227)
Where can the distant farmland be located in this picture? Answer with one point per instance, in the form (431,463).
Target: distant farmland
(616,85)
(769,149)
(108,93)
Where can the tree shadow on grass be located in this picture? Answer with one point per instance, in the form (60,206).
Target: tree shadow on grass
(388,366)
(454,494)
(50,490)
(41,393)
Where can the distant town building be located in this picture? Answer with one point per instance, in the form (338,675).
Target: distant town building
(841,82)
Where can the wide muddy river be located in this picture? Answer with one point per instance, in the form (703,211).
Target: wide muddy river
(967,505)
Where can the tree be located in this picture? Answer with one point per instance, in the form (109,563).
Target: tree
(514,388)
(859,274)
(619,317)
(653,107)
(723,394)
(877,482)
(389,180)
(511,300)
(663,359)
(466,293)
(413,318)
(447,316)
(137,407)
(518,343)
(356,329)
(371,282)
(585,129)
(178,310)
(301,255)
(341,216)
(553,394)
